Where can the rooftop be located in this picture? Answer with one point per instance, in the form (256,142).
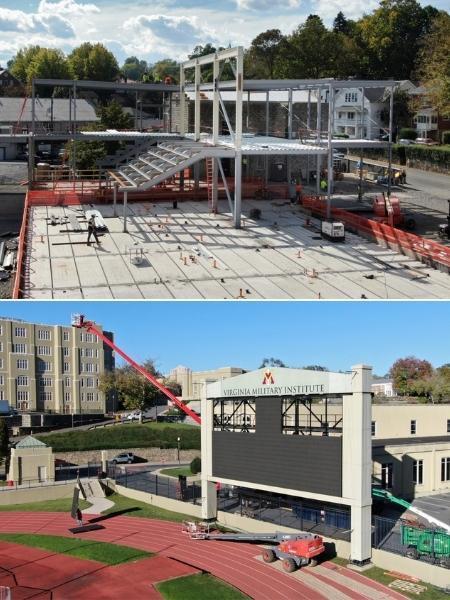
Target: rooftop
(188,253)
(30,442)
(47,109)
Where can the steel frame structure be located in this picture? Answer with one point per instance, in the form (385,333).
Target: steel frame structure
(312,422)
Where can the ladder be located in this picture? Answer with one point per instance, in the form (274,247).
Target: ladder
(209,183)
(16,128)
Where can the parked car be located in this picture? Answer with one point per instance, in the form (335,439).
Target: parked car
(124,458)
(405,142)
(426,141)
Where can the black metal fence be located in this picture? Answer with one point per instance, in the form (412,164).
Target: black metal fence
(63,474)
(148,481)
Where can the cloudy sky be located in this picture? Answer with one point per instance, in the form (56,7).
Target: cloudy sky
(158,28)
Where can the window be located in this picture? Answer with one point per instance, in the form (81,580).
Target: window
(44,366)
(90,382)
(19,348)
(67,381)
(22,363)
(45,382)
(418,472)
(22,396)
(87,352)
(1,329)
(2,394)
(66,336)
(67,397)
(1,363)
(351,116)
(44,350)
(66,351)
(445,469)
(43,334)
(413,427)
(45,396)
(21,332)
(374,427)
(386,475)
(448,425)
(1,346)
(22,380)
(66,367)
(90,397)
(88,368)
(2,380)
(351,97)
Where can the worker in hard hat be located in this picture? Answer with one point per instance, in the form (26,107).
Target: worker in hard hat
(92,230)
(323,185)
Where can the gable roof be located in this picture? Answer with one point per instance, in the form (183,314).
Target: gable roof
(10,109)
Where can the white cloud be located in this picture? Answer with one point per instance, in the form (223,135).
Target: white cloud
(67,7)
(353,9)
(167,35)
(20,22)
(267,5)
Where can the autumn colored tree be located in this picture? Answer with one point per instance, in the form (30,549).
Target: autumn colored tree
(406,372)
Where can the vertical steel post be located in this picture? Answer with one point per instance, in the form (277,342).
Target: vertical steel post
(182,102)
(361,153)
(238,138)
(330,149)
(308,127)
(115,200)
(74,149)
(266,158)
(31,145)
(391,115)
(319,129)
(197,103)
(289,128)
(125,201)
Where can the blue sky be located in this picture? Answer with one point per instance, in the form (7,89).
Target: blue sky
(160,28)
(207,335)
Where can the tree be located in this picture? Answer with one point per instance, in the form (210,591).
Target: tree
(315,368)
(263,54)
(166,68)
(406,372)
(112,116)
(37,62)
(271,362)
(4,442)
(196,465)
(343,25)
(434,63)
(93,61)
(134,391)
(390,37)
(134,69)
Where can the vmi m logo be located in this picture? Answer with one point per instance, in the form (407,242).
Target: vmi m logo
(268,378)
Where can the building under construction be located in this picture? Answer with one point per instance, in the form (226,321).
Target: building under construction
(213,206)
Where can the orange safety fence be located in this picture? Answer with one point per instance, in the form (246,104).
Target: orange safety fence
(421,248)
(21,250)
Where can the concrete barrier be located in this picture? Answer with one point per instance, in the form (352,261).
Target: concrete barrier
(36,494)
(174,505)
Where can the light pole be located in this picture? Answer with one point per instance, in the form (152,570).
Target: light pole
(178,449)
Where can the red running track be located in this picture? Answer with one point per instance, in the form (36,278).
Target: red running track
(232,562)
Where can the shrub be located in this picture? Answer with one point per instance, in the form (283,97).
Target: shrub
(446,137)
(407,133)
(196,465)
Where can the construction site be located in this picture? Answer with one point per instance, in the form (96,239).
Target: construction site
(235,198)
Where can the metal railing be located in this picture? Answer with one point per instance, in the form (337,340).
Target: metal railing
(63,475)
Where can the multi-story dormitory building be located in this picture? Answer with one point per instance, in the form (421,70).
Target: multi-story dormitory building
(52,368)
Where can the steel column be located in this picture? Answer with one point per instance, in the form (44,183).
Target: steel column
(197,103)
(330,149)
(266,158)
(290,118)
(319,129)
(125,201)
(237,189)
(308,127)
(391,115)
(361,153)
(182,101)
(115,200)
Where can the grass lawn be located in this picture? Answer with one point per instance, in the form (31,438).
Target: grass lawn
(141,509)
(110,554)
(194,587)
(122,436)
(60,505)
(175,471)
(377,574)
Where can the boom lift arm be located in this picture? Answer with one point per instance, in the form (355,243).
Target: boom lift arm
(80,322)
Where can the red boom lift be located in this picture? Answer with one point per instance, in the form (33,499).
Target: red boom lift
(294,549)
(81,323)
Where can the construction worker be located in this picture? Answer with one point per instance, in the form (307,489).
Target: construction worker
(323,185)
(92,230)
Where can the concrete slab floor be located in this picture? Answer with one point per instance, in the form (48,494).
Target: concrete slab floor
(188,253)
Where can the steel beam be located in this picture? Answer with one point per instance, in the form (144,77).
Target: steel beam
(125,207)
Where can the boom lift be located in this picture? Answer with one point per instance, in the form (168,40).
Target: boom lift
(80,322)
(294,549)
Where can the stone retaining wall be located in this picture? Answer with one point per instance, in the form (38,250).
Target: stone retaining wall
(154,455)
